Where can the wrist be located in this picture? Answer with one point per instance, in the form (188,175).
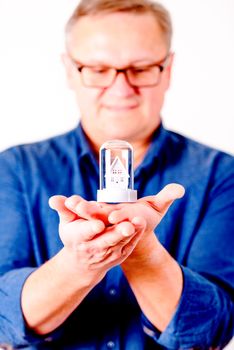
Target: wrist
(70,265)
(147,249)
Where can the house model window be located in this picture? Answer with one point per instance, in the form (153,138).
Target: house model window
(116,173)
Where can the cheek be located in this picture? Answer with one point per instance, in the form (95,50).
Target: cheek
(87,99)
(153,101)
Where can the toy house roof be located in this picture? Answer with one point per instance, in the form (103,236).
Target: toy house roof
(118,165)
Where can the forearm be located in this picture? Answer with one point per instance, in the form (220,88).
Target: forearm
(156,280)
(54,291)
(198,315)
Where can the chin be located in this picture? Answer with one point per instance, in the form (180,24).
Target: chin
(120,134)
(122,129)
(120,117)
(117,136)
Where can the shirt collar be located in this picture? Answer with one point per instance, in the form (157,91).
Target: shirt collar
(158,142)
(83,144)
(85,152)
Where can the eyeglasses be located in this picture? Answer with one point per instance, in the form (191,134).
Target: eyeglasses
(103,76)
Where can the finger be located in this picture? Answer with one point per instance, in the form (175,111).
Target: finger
(89,229)
(125,213)
(81,231)
(128,248)
(125,229)
(116,216)
(163,200)
(97,227)
(90,210)
(58,203)
(139,223)
(114,236)
(101,255)
(87,210)
(72,202)
(116,255)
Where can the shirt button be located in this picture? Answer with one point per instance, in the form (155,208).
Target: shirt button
(112,291)
(110,344)
(49,339)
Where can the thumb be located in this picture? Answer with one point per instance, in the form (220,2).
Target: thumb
(163,200)
(57,203)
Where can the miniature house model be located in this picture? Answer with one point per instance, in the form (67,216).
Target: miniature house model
(116,173)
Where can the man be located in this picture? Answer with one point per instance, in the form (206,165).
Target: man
(131,275)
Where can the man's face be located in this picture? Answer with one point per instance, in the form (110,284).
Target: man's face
(120,111)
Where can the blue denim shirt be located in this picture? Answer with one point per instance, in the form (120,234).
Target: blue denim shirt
(197,231)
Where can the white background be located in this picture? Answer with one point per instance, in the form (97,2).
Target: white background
(35,102)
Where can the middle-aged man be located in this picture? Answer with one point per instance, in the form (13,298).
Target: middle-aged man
(131,276)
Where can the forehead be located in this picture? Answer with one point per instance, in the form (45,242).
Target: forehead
(117,38)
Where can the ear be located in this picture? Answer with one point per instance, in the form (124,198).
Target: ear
(168,69)
(69,69)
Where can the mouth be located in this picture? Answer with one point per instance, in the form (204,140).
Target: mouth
(120,108)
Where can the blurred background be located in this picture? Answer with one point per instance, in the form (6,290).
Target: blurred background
(35,102)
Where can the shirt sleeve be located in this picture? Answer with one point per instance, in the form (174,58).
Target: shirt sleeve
(17,259)
(204,318)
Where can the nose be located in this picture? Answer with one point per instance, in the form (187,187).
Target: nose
(121,87)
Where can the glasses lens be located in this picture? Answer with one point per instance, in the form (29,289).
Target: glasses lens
(97,76)
(144,76)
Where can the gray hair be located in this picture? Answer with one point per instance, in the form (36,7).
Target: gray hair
(96,7)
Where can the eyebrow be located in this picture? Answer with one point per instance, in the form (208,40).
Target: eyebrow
(140,62)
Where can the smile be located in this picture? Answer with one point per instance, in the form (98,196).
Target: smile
(121,108)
